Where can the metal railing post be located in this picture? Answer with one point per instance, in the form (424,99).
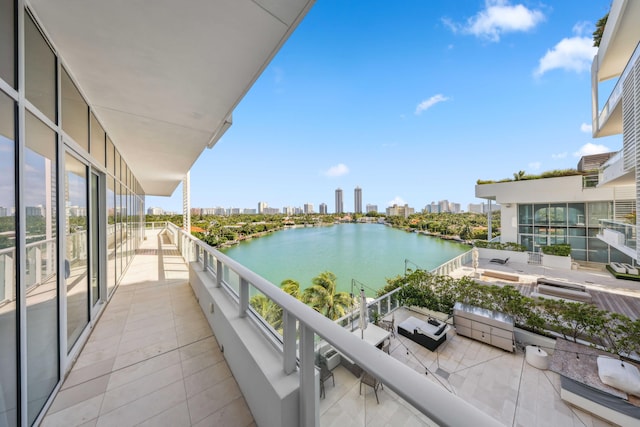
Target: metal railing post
(308,409)
(289,335)
(218,273)
(244,297)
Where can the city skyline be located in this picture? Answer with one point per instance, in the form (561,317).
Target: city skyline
(448,94)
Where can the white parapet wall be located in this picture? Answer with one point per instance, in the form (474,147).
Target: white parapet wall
(255,363)
(519,257)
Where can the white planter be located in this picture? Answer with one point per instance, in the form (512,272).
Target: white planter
(333,358)
(554,261)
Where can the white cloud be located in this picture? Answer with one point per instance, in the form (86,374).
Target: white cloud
(498,17)
(397,201)
(570,54)
(585,128)
(559,156)
(535,166)
(590,148)
(428,103)
(337,170)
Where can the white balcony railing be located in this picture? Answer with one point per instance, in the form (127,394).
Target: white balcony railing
(296,344)
(616,93)
(618,234)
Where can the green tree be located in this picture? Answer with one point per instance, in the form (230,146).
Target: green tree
(597,34)
(322,296)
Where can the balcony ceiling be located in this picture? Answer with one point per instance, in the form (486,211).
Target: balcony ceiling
(163,76)
(620,38)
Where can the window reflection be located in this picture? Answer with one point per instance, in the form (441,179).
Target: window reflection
(40,70)
(75,112)
(111,236)
(8,363)
(39,191)
(77,248)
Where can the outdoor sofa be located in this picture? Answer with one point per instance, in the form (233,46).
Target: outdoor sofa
(429,334)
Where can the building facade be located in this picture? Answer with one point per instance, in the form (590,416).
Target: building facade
(323,208)
(372,208)
(561,210)
(618,60)
(403,211)
(357,200)
(339,203)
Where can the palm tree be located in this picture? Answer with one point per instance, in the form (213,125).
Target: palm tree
(291,287)
(270,311)
(323,298)
(597,34)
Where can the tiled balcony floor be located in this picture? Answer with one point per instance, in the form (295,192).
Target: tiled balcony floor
(152,358)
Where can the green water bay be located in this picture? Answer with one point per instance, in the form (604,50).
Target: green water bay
(368,253)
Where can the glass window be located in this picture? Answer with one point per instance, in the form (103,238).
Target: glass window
(8,360)
(527,242)
(541,214)
(41,263)
(97,141)
(597,211)
(558,214)
(77,248)
(75,112)
(8,41)
(598,250)
(117,169)
(525,214)
(577,243)
(577,232)
(526,229)
(111,235)
(111,155)
(40,70)
(576,214)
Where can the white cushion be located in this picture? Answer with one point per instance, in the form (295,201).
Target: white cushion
(620,375)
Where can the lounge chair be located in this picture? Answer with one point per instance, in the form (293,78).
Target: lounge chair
(499,260)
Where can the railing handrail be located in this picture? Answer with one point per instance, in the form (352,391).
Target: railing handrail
(443,407)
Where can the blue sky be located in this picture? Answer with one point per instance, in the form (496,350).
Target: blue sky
(411,100)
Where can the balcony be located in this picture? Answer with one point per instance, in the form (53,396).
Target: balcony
(610,116)
(179,344)
(621,236)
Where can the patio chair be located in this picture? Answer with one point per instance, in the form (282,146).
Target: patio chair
(499,260)
(368,379)
(386,346)
(389,325)
(325,374)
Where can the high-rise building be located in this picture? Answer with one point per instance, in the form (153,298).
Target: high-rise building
(357,200)
(308,208)
(323,208)
(372,208)
(339,205)
(262,206)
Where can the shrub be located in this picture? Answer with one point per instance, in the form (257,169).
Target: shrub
(507,246)
(558,250)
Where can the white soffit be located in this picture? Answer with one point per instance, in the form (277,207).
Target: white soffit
(163,75)
(620,38)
